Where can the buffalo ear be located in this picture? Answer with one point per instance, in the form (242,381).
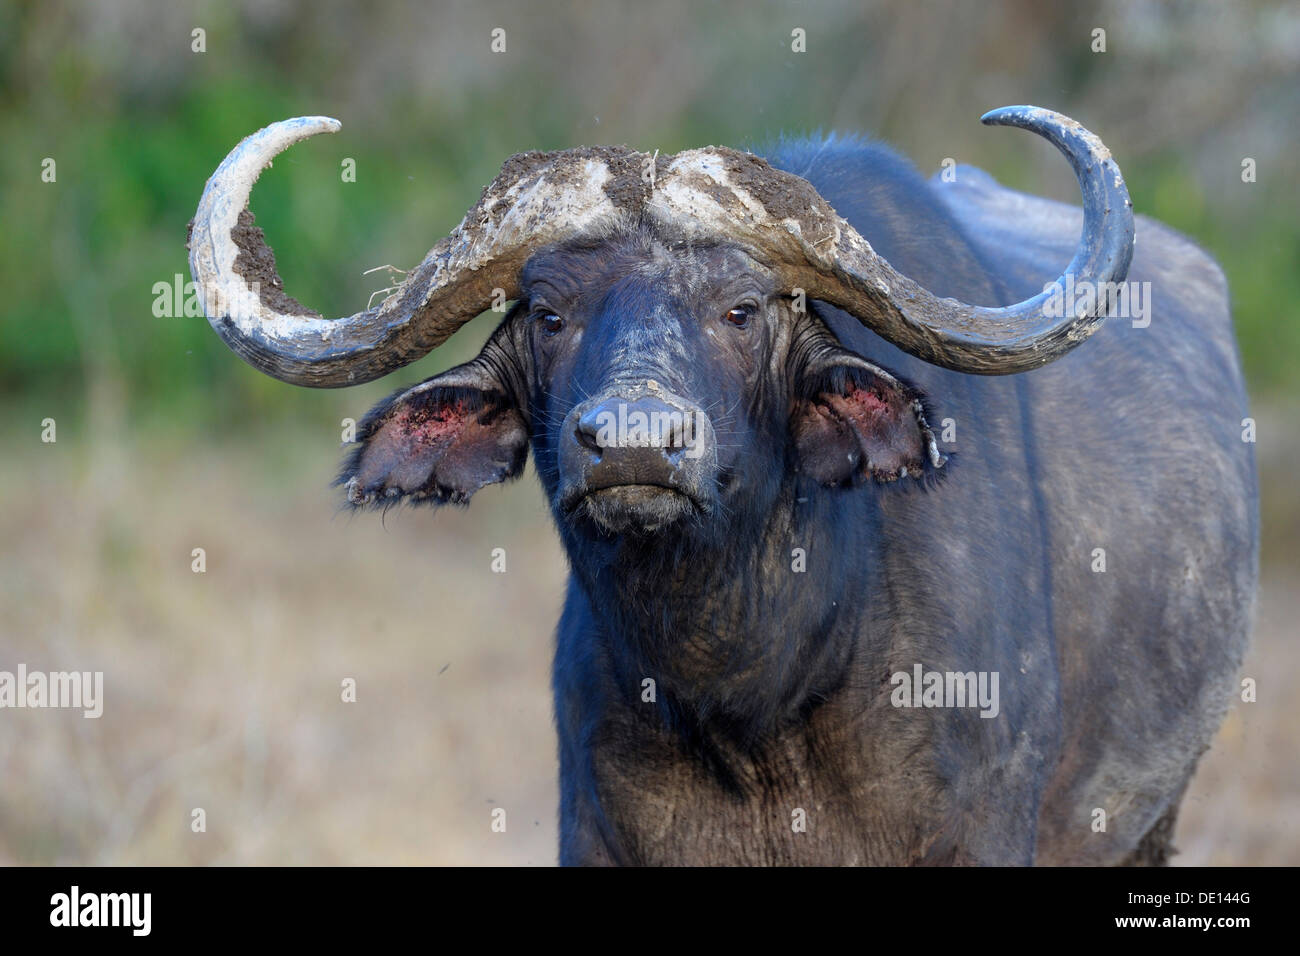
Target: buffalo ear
(853,420)
(439,441)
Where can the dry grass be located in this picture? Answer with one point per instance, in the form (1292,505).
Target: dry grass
(223,688)
(1243,806)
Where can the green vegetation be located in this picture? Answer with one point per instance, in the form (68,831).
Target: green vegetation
(135,122)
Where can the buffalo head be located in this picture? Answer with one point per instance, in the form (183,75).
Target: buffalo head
(660,355)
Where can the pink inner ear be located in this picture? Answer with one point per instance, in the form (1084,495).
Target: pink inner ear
(424,433)
(863,402)
(867,430)
(432,425)
(869,413)
(403,451)
(438,444)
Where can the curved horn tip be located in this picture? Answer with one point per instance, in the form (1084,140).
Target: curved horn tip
(241,168)
(244,300)
(1009,115)
(1029,334)
(307,125)
(273,139)
(1028,117)
(1055,127)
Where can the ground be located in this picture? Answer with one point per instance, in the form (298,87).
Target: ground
(223,689)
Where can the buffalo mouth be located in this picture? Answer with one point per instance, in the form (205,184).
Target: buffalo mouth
(634,508)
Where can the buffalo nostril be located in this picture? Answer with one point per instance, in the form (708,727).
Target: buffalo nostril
(586,437)
(646,440)
(587,433)
(649,439)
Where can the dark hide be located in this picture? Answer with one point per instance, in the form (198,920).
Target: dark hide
(834,546)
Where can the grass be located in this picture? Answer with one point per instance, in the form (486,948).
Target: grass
(223,689)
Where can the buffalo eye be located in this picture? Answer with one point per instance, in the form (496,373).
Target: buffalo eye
(739,316)
(550,323)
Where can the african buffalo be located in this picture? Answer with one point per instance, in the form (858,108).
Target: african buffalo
(844,589)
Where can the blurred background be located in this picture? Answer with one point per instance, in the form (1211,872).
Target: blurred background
(223,688)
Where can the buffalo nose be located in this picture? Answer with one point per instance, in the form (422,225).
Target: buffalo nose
(639,460)
(642,428)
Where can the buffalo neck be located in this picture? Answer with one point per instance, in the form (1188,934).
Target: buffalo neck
(742,633)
